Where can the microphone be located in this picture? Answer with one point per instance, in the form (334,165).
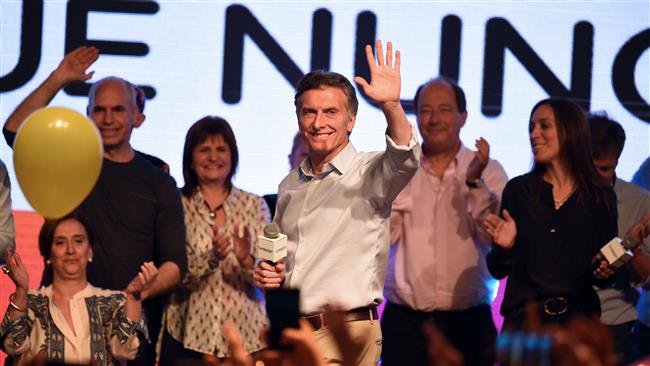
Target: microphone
(272,246)
(618,252)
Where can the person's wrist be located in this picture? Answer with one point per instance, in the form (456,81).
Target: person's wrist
(21,292)
(134,296)
(390,105)
(58,78)
(247,260)
(17,303)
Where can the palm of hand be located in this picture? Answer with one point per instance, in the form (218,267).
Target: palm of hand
(384,85)
(506,232)
(21,278)
(242,245)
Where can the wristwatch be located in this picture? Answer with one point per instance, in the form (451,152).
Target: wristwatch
(475,183)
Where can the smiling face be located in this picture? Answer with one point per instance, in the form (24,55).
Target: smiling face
(212,160)
(70,251)
(113,109)
(544,138)
(438,117)
(325,122)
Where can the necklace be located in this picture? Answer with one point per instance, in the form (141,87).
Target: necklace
(560,202)
(213,213)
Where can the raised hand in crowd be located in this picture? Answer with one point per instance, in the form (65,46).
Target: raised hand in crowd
(17,272)
(440,351)
(350,348)
(302,349)
(581,342)
(72,68)
(74,65)
(236,350)
(502,231)
(384,89)
(385,80)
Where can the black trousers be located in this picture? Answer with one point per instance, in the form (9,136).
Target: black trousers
(641,334)
(471,331)
(172,353)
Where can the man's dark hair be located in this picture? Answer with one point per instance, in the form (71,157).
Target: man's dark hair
(607,135)
(319,79)
(461,102)
(140,98)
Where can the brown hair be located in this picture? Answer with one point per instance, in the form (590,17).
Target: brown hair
(46,235)
(199,132)
(575,148)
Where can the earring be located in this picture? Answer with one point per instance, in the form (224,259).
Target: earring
(48,262)
(90,259)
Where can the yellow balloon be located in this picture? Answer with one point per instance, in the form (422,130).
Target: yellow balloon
(57,157)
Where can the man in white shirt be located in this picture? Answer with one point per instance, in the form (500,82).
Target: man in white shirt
(335,207)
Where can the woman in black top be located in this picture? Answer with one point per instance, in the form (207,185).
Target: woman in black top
(555,220)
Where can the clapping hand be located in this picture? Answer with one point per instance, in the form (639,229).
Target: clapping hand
(502,232)
(144,278)
(221,243)
(16,271)
(480,161)
(242,242)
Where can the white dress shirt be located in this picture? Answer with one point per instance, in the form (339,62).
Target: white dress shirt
(337,223)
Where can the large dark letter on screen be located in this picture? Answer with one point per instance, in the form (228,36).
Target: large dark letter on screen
(240,22)
(623,75)
(31,34)
(76,33)
(500,34)
(366,35)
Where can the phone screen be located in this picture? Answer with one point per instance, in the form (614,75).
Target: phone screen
(283,309)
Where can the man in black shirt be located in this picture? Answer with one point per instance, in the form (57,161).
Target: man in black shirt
(134,208)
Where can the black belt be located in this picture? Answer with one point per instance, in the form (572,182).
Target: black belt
(437,315)
(317,321)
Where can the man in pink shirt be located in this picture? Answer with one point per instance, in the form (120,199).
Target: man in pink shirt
(437,268)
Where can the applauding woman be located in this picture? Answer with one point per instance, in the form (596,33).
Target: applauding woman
(555,220)
(221,222)
(71,321)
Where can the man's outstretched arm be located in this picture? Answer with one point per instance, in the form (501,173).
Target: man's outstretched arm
(72,68)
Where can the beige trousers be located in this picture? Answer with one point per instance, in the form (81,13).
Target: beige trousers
(365,333)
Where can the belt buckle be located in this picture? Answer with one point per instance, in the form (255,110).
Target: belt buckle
(317,321)
(556,305)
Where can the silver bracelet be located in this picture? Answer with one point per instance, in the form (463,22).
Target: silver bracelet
(11,303)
